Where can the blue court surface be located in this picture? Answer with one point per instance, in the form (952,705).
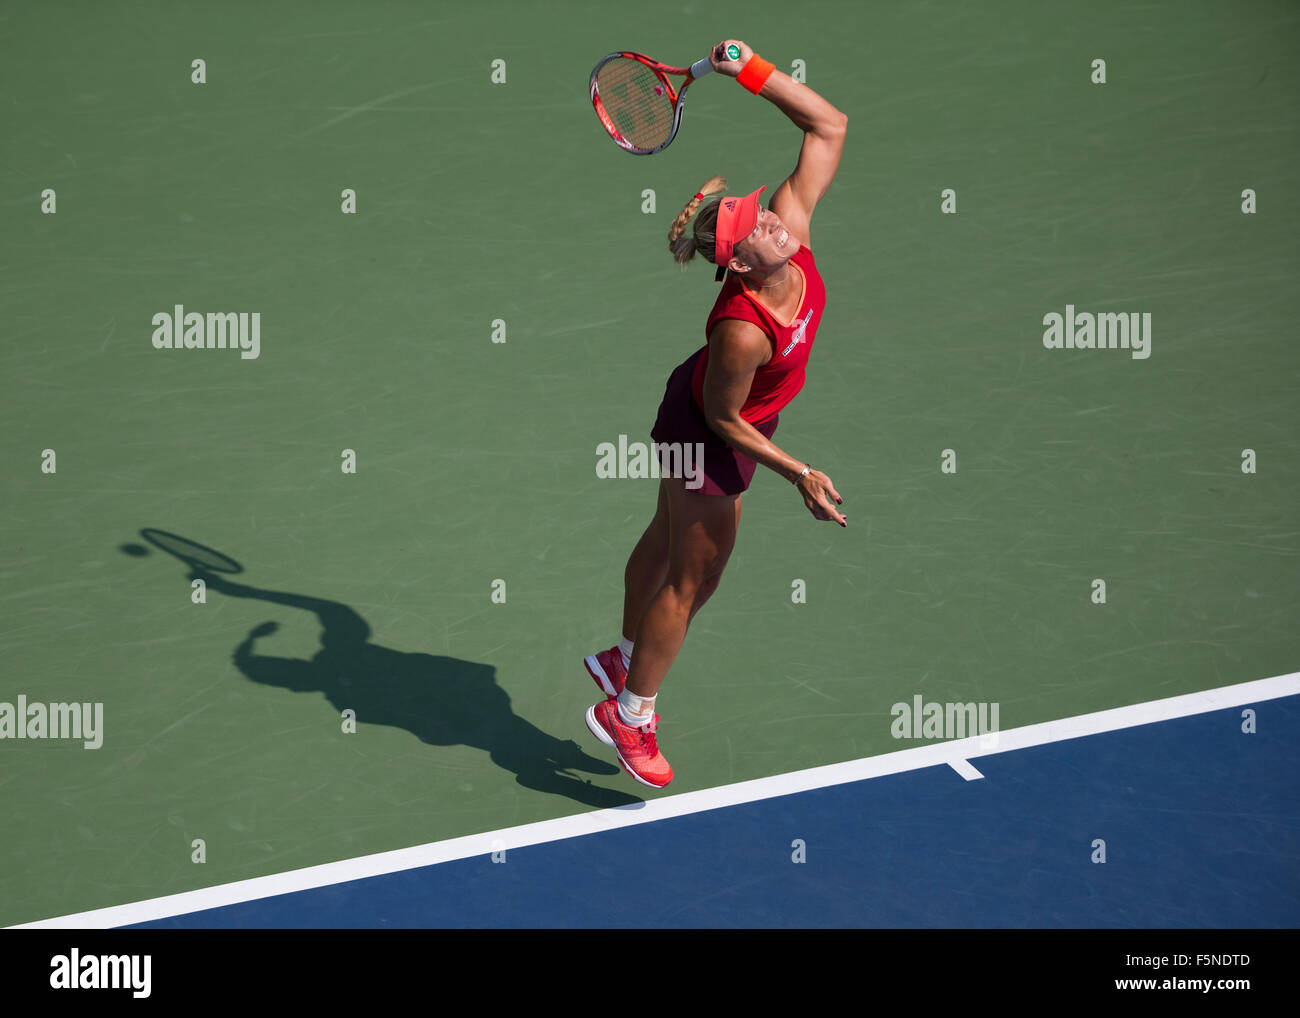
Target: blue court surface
(1200,823)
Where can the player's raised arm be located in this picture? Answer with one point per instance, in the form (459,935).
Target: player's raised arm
(824,128)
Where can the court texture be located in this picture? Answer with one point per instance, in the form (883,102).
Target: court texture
(376,717)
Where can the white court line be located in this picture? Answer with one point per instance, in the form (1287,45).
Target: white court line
(955,752)
(966,769)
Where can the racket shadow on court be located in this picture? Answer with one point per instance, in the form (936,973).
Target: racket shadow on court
(443,701)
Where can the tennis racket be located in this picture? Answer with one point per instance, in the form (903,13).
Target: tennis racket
(637,103)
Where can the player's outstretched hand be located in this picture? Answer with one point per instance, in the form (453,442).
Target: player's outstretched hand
(723,64)
(820,496)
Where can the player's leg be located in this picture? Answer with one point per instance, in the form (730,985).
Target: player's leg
(702,534)
(647,567)
(714,576)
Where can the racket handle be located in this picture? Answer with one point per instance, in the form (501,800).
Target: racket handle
(701,67)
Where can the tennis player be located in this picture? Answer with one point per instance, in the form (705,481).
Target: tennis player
(726,396)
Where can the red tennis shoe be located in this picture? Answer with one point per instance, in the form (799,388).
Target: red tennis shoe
(608,670)
(637,748)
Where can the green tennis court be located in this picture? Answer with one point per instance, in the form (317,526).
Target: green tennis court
(406,472)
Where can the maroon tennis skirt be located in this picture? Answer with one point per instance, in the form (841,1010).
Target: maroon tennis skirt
(726,471)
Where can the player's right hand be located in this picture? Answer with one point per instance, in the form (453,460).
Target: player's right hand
(818,493)
(723,64)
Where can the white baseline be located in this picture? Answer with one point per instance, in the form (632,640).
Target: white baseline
(953,754)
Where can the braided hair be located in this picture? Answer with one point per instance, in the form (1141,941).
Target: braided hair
(702,237)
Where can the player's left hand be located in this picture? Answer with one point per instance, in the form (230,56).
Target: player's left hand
(724,65)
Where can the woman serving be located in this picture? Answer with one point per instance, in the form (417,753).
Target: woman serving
(727,397)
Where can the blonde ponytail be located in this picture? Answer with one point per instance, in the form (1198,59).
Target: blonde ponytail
(683,248)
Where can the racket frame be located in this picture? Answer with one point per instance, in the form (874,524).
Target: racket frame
(693,73)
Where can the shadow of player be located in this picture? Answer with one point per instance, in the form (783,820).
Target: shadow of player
(443,701)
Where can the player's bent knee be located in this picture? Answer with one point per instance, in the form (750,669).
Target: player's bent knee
(683,589)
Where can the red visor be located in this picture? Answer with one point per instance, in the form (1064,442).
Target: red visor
(736,220)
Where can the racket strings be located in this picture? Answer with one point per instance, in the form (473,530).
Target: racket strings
(638,102)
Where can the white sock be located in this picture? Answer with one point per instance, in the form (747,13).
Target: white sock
(625,647)
(636,711)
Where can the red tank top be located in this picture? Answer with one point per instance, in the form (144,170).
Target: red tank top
(780,379)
